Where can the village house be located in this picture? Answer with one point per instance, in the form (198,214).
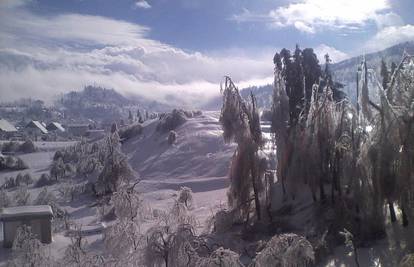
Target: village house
(7,130)
(55,127)
(39,218)
(35,129)
(77,129)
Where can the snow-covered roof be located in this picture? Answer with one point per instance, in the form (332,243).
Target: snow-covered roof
(25,211)
(55,126)
(37,124)
(6,126)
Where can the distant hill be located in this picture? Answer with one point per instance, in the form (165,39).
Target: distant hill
(343,72)
(101,104)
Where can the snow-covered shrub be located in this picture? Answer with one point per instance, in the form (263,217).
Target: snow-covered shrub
(172,137)
(221,258)
(20,164)
(10,147)
(130,131)
(44,180)
(9,183)
(27,147)
(5,200)
(91,166)
(12,163)
(24,179)
(222,221)
(28,251)
(69,190)
(185,196)
(171,121)
(58,155)
(48,198)
(21,196)
(57,169)
(286,250)
(62,222)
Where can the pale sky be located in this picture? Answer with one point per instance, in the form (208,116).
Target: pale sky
(180,48)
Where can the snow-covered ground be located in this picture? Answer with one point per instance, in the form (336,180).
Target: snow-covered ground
(199,159)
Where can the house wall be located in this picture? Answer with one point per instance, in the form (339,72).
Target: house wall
(41,227)
(9,232)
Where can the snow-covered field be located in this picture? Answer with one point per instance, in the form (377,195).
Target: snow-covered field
(199,159)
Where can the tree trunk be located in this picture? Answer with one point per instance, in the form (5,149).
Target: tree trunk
(255,189)
(392,211)
(404,217)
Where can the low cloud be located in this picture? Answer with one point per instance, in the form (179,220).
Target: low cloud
(389,36)
(44,56)
(334,54)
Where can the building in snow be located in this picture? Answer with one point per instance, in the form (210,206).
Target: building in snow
(7,130)
(39,218)
(35,129)
(55,127)
(77,129)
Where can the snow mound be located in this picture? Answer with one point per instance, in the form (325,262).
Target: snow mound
(199,151)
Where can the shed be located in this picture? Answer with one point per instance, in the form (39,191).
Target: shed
(6,128)
(39,218)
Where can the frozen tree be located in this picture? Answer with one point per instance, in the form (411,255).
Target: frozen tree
(241,124)
(5,200)
(164,245)
(221,258)
(28,251)
(57,169)
(21,196)
(130,117)
(48,198)
(185,196)
(172,137)
(77,255)
(167,239)
(116,168)
(384,74)
(124,240)
(284,251)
